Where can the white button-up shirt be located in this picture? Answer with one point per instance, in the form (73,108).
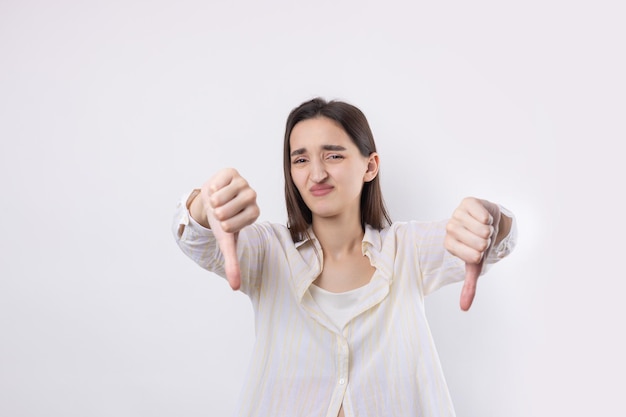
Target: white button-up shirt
(383,362)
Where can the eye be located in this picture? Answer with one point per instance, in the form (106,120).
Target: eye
(298,161)
(335,156)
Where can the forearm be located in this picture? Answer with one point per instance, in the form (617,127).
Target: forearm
(196,209)
(504,227)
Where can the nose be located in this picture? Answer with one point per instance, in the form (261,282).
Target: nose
(318,171)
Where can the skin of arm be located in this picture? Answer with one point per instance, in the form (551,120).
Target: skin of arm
(504,228)
(197,210)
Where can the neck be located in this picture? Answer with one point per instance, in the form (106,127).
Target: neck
(338,236)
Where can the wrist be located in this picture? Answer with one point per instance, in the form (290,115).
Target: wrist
(504,227)
(196,209)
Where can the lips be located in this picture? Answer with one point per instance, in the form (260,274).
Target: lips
(319,190)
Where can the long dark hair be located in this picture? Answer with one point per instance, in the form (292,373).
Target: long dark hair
(353,121)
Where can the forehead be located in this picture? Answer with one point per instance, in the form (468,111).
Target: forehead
(318,131)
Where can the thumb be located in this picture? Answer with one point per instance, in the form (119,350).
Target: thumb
(472,272)
(228,246)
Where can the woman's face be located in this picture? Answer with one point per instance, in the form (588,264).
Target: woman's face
(328,169)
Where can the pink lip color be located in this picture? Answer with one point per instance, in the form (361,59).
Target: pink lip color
(320,190)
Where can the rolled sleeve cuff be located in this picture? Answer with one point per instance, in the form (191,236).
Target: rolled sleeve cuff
(186,228)
(507,244)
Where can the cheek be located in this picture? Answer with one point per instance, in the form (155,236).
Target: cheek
(356,175)
(296,177)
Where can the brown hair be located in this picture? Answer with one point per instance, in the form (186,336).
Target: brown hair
(353,121)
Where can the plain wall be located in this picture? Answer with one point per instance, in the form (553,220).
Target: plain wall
(111,111)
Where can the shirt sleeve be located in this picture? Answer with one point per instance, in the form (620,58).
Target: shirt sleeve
(437,266)
(506,245)
(195,240)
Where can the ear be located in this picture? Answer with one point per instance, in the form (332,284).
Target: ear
(373,163)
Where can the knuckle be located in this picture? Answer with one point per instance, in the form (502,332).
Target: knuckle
(218,213)
(227,226)
(239,182)
(475,257)
(210,187)
(249,195)
(213,201)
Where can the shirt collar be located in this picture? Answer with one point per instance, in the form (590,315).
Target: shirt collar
(311,251)
(371,239)
(310,237)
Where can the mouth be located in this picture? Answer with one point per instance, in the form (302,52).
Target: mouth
(319,190)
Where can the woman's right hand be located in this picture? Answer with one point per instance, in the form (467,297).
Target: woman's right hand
(226,204)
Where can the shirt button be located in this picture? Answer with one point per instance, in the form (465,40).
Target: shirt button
(342,381)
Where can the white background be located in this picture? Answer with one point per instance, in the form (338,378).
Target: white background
(110,111)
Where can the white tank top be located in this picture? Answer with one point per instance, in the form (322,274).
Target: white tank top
(338,306)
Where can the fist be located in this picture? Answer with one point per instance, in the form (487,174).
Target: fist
(229,204)
(470,234)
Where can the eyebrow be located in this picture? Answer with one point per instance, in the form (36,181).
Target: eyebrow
(324,147)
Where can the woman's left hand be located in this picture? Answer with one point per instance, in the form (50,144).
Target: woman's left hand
(470,234)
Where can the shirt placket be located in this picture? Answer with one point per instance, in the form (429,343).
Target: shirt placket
(341,378)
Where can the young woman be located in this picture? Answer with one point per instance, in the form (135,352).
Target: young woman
(338,293)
